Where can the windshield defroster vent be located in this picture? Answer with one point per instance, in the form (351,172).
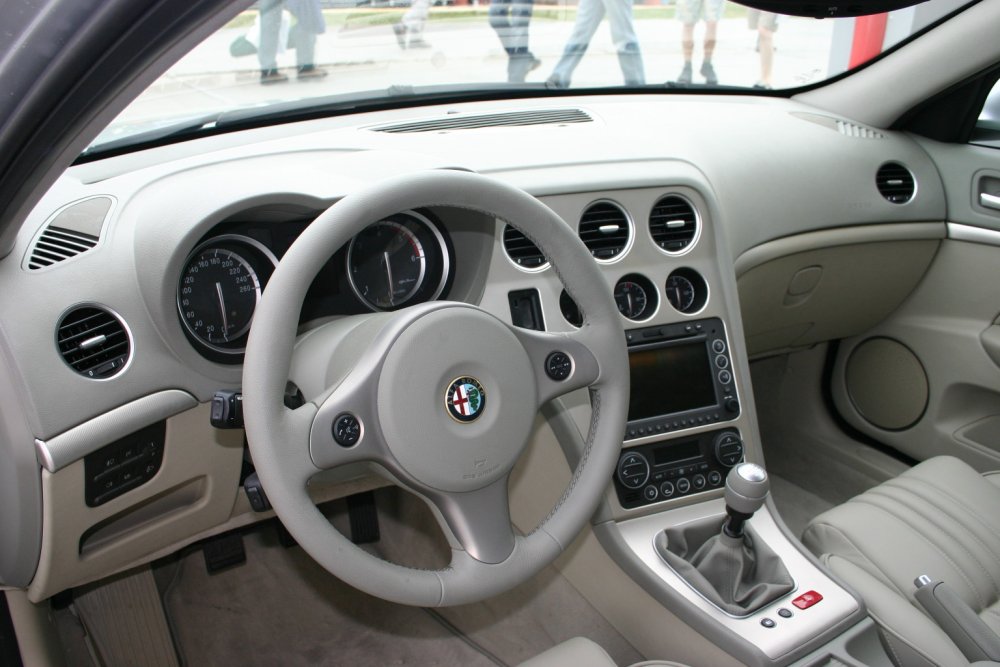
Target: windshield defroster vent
(895,182)
(94,342)
(55,245)
(513,119)
(605,230)
(521,251)
(71,231)
(673,224)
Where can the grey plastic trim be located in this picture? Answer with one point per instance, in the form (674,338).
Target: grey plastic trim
(959,232)
(58,452)
(790,245)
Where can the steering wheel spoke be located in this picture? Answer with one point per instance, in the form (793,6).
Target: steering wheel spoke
(562,362)
(479,520)
(345,429)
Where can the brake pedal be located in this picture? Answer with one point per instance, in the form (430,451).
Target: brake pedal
(224,552)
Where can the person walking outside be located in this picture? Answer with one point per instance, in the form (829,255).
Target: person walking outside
(510,19)
(690,12)
(410,28)
(588,16)
(765,23)
(309,22)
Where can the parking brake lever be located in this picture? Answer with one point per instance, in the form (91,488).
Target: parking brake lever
(972,636)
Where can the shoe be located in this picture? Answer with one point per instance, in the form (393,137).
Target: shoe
(418,43)
(761,86)
(311,72)
(708,72)
(400,31)
(557,83)
(685,76)
(268,76)
(535,64)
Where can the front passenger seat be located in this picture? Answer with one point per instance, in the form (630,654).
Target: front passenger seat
(941,519)
(582,652)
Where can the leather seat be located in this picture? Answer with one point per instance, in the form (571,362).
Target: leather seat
(582,652)
(940,519)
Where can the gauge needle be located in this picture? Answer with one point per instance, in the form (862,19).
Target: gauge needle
(388,274)
(222,309)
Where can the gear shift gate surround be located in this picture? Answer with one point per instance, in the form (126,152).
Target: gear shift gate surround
(739,575)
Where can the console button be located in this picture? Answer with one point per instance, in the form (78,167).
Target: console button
(785,613)
(633,470)
(650,493)
(807,599)
(768,622)
(667,489)
(721,361)
(683,485)
(718,346)
(715,478)
(698,482)
(728,448)
(725,377)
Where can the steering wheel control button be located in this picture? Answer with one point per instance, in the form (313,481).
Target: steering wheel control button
(633,470)
(807,600)
(346,430)
(558,366)
(465,399)
(785,613)
(768,622)
(650,493)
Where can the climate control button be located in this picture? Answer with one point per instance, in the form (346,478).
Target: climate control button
(633,470)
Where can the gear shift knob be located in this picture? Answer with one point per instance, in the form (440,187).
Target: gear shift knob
(746,490)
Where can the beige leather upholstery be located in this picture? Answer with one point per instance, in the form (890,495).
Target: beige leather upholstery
(942,519)
(581,652)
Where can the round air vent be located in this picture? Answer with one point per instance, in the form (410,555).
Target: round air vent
(605,230)
(521,251)
(895,182)
(94,342)
(673,224)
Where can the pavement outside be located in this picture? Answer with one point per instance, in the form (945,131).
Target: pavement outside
(361,54)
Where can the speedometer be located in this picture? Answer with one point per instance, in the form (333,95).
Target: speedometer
(219,288)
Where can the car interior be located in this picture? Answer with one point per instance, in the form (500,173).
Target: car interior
(671,374)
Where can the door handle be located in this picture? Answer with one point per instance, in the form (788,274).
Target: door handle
(989,201)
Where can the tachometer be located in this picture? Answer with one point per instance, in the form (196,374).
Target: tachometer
(219,290)
(397,261)
(635,296)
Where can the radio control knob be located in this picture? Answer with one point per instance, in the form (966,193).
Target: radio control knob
(633,470)
(728,448)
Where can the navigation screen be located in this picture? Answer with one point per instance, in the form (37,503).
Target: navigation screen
(670,379)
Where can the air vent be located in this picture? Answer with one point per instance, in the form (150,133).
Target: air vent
(521,251)
(605,230)
(94,342)
(514,119)
(72,230)
(673,224)
(857,131)
(55,245)
(895,182)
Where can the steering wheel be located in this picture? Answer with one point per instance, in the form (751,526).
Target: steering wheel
(440,397)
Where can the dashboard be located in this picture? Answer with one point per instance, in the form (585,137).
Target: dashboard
(169,251)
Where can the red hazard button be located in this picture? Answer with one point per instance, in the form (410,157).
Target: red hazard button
(807,600)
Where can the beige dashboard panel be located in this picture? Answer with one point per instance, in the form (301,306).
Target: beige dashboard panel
(194,490)
(817,295)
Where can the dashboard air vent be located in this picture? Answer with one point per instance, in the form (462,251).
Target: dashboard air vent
(673,224)
(94,342)
(605,230)
(513,119)
(56,244)
(521,251)
(895,182)
(849,129)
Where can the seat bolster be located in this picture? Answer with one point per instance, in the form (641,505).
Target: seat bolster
(578,651)
(910,637)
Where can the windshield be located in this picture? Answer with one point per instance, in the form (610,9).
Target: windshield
(324,52)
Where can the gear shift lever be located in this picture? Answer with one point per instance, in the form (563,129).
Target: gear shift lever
(746,489)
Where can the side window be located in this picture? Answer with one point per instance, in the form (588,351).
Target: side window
(987,132)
